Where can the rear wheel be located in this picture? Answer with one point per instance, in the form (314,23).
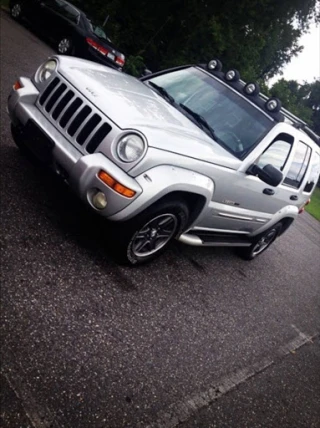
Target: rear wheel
(149,234)
(260,243)
(65,46)
(16,11)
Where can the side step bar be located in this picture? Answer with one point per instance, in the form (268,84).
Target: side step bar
(212,241)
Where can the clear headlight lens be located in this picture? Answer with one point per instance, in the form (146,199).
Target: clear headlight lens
(46,70)
(130,148)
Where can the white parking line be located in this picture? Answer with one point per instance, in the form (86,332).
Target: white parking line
(183,410)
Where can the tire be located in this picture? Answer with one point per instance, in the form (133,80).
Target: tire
(138,240)
(260,243)
(65,46)
(16,11)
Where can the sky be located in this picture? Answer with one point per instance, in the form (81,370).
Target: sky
(306,65)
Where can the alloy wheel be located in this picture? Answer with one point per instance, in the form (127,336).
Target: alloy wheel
(264,242)
(154,235)
(16,10)
(64,46)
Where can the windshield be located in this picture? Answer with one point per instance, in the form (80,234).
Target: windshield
(237,125)
(98,31)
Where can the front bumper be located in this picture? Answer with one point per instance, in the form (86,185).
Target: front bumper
(78,170)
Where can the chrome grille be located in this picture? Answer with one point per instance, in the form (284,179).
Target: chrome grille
(70,113)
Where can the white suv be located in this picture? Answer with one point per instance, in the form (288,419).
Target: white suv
(190,153)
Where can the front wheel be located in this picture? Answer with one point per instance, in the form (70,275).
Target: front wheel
(16,11)
(260,243)
(149,234)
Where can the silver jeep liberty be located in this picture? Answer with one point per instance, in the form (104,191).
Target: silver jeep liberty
(191,153)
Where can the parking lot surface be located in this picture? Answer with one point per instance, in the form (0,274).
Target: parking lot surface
(89,343)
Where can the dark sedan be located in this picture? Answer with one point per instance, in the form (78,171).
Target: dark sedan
(71,30)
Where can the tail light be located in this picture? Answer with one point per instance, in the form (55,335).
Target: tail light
(120,60)
(96,46)
(303,207)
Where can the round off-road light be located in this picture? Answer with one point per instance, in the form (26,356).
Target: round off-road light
(273,105)
(251,88)
(99,200)
(214,64)
(232,75)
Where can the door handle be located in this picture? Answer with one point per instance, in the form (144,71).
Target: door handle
(268,191)
(294,197)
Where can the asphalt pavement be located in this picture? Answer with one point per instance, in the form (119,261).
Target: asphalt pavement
(199,338)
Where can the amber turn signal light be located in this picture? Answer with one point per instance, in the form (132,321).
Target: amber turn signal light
(115,185)
(17,85)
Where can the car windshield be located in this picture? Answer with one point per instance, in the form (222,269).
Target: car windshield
(238,125)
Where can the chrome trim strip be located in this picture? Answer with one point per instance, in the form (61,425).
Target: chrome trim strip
(209,229)
(237,217)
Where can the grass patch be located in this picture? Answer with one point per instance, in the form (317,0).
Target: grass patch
(314,207)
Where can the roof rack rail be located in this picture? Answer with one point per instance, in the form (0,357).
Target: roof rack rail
(311,134)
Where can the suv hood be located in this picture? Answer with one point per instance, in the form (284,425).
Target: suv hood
(131,104)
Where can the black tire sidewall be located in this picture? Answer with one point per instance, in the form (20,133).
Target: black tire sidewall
(130,228)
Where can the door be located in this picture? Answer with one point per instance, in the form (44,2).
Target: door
(243,203)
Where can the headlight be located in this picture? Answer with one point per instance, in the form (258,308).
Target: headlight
(46,70)
(130,148)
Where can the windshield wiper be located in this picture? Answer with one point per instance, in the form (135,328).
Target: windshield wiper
(201,120)
(162,92)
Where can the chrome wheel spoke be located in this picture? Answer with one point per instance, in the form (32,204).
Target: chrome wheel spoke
(165,222)
(141,244)
(163,234)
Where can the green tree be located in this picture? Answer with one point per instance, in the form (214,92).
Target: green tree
(256,36)
(301,100)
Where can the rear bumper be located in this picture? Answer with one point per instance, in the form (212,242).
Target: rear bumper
(78,170)
(92,55)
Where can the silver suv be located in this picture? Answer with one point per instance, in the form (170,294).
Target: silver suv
(191,153)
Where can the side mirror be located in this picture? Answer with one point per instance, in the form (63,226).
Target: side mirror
(268,174)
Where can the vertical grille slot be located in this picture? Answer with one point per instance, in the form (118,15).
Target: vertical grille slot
(97,138)
(61,104)
(88,128)
(48,90)
(55,96)
(78,120)
(67,115)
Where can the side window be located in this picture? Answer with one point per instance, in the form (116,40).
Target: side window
(314,173)
(71,13)
(298,166)
(64,9)
(276,154)
(55,5)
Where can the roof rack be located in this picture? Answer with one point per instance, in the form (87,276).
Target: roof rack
(261,99)
(297,122)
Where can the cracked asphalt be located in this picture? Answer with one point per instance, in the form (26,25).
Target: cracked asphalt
(88,343)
